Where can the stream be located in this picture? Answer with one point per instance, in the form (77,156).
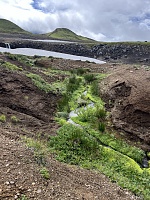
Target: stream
(74,113)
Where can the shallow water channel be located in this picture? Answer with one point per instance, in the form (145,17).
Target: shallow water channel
(75,113)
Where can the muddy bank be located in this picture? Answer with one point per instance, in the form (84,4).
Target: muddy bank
(127,93)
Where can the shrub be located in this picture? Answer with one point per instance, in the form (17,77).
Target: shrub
(81,71)
(89,77)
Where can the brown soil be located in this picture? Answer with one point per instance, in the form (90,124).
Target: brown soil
(19,170)
(127,94)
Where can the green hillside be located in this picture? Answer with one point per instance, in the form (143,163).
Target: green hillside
(9,27)
(66,34)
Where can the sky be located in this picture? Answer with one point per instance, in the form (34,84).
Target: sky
(102,20)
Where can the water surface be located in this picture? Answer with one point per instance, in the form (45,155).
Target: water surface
(40,52)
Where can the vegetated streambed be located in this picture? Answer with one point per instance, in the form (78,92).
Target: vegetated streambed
(75,113)
(85,139)
(91,144)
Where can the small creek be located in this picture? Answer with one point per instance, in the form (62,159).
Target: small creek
(74,113)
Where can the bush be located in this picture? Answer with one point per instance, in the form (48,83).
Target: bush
(81,71)
(89,77)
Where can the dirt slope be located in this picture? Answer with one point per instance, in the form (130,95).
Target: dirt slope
(127,93)
(20,175)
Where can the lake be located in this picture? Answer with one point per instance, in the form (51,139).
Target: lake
(40,52)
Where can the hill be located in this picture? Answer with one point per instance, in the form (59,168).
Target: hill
(66,34)
(7,26)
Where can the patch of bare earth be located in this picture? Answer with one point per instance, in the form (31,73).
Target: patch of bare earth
(126,92)
(20,175)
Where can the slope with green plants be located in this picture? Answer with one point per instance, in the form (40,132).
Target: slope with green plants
(86,141)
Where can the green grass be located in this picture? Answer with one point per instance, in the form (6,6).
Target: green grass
(26,60)
(9,27)
(75,145)
(11,66)
(92,146)
(40,150)
(56,87)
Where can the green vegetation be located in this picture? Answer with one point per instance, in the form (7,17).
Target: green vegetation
(90,145)
(2,118)
(40,150)
(57,87)
(11,66)
(66,34)
(9,27)
(75,145)
(27,60)
(45,173)
(23,197)
(14,119)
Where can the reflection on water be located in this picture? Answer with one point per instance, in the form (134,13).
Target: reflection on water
(39,52)
(55,41)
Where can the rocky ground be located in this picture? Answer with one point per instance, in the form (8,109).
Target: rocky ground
(20,176)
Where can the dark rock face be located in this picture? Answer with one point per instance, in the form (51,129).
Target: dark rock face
(127,53)
(127,94)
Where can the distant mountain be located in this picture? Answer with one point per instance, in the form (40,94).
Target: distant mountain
(66,34)
(7,26)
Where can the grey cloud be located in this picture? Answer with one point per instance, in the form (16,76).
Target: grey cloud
(111,20)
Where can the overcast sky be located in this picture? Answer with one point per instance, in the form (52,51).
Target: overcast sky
(104,20)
